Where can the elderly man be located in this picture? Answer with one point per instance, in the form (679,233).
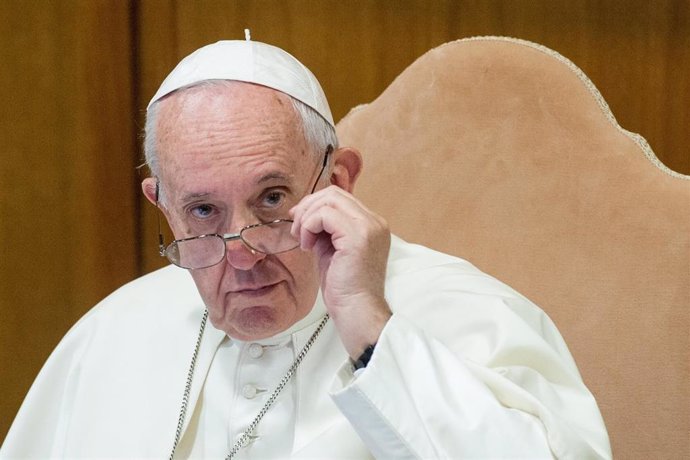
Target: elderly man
(328,338)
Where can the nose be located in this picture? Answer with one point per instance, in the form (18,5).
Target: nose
(237,253)
(240,256)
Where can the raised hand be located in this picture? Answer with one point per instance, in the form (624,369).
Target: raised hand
(351,243)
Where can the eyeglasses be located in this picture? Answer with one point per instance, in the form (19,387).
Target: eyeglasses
(205,251)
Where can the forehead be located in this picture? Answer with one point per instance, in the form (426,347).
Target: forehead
(235,131)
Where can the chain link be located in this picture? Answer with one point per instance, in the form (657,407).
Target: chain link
(188,386)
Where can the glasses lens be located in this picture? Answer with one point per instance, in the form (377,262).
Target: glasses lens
(270,238)
(200,252)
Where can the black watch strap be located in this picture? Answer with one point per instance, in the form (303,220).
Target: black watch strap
(364,358)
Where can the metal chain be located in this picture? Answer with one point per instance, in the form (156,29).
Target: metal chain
(188,386)
(242,441)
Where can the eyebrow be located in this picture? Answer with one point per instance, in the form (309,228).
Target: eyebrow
(265,178)
(192,196)
(274,175)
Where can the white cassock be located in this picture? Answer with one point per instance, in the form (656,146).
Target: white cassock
(465,368)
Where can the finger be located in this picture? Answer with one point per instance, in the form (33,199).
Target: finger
(323,220)
(336,199)
(324,250)
(330,195)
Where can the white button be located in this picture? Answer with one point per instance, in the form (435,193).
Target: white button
(255,350)
(249,391)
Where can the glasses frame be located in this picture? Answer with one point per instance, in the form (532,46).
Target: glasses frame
(162,247)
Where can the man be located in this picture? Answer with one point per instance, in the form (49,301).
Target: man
(328,338)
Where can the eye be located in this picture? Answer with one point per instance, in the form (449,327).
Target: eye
(201,211)
(273,199)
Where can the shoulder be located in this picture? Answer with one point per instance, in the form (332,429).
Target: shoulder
(417,267)
(122,362)
(162,304)
(449,297)
(152,319)
(168,285)
(169,290)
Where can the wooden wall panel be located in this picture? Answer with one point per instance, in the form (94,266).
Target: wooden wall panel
(67,202)
(77,75)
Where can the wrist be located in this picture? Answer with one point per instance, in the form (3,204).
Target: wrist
(361,327)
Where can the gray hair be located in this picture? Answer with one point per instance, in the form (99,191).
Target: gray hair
(318,133)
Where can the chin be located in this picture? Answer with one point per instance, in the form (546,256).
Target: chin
(250,323)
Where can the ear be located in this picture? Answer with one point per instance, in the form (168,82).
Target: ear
(150,188)
(347,164)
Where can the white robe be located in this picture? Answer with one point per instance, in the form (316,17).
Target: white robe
(465,368)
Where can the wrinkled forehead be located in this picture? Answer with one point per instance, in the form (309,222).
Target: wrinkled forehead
(213,129)
(226,112)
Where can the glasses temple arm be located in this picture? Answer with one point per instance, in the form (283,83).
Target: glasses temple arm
(329,150)
(161,244)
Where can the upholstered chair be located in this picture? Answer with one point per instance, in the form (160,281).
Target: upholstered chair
(503,152)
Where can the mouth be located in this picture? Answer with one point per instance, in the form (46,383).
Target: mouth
(255,291)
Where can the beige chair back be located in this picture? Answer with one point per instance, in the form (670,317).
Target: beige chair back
(504,153)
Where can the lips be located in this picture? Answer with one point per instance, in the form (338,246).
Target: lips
(255,291)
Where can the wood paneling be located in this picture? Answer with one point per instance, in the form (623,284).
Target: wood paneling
(77,75)
(69,234)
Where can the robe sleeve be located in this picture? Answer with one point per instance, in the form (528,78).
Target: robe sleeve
(471,375)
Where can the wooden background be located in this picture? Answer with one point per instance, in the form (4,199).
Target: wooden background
(76,76)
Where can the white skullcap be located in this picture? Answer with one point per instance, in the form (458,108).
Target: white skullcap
(251,62)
